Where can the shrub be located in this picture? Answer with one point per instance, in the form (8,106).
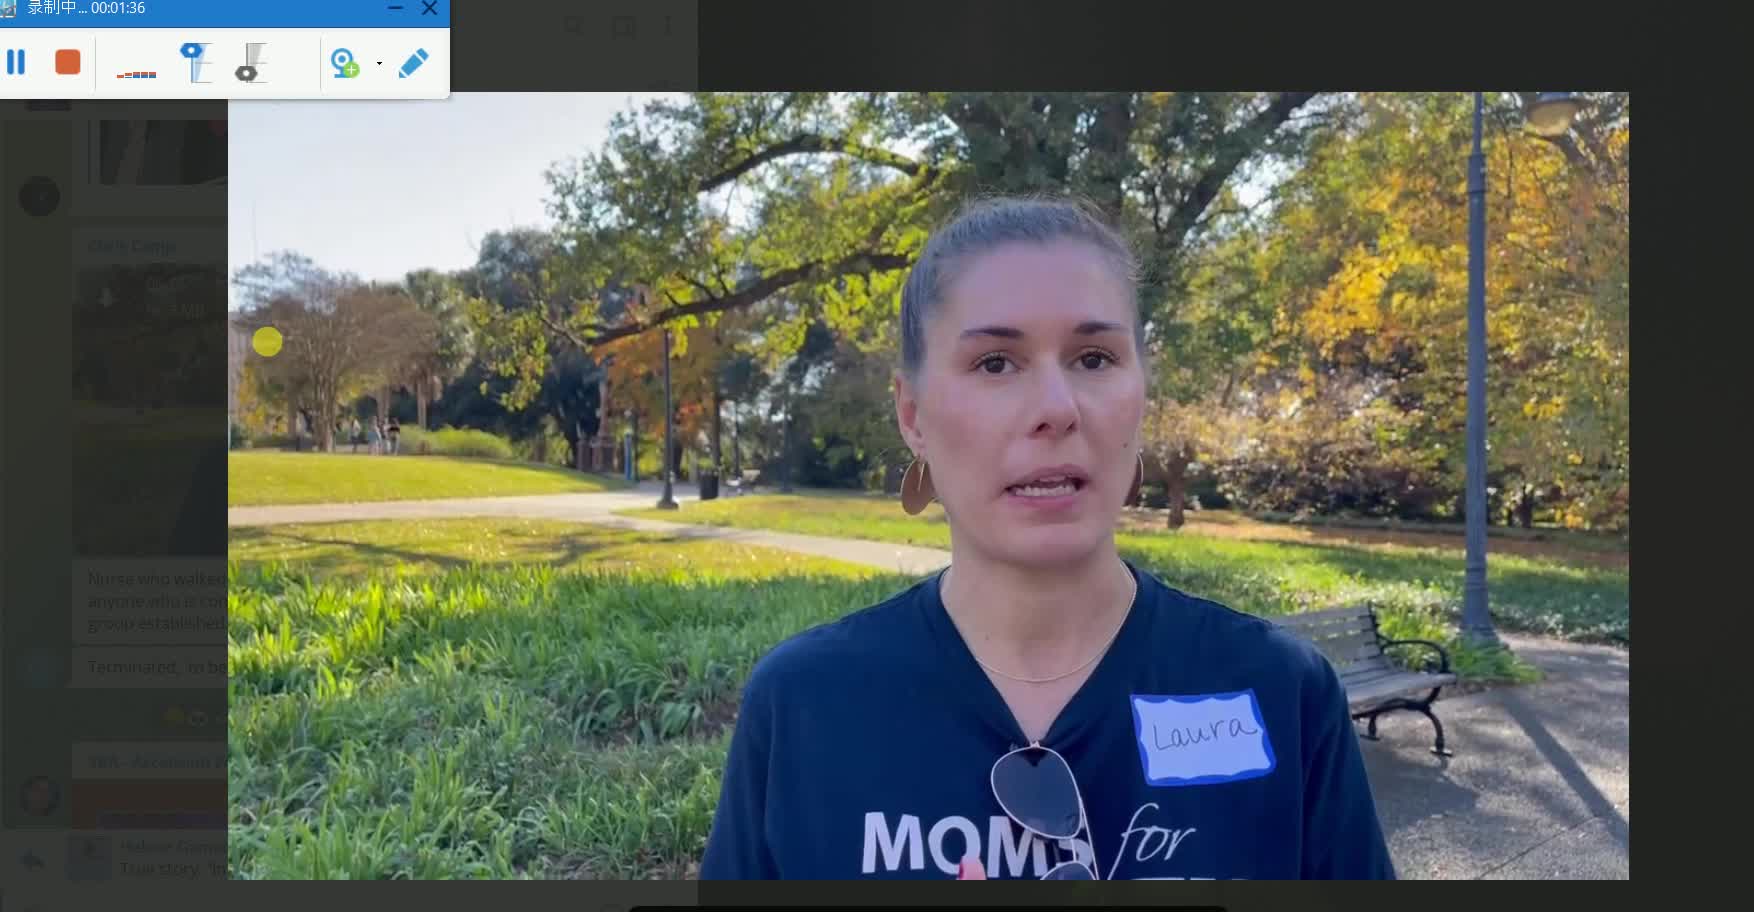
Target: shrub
(558,451)
(464,442)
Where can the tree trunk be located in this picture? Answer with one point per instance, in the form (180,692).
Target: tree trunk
(602,436)
(1175,483)
(420,397)
(384,404)
(718,430)
(1109,144)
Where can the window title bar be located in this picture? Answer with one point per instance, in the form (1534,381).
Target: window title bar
(212,14)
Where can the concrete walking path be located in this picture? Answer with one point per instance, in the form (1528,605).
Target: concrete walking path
(1539,787)
(599,509)
(1540,784)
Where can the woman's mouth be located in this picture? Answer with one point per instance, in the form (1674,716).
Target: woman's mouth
(1048,487)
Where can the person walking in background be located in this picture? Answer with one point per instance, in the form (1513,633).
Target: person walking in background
(355,433)
(395,436)
(374,438)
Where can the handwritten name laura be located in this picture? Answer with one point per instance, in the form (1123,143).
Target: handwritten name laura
(1201,740)
(1191,735)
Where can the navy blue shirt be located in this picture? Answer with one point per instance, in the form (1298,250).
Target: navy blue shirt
(1207,744)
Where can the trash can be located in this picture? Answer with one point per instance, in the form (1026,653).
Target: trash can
(709,484)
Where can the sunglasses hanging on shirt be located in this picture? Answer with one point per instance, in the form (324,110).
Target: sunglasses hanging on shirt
(1035,788)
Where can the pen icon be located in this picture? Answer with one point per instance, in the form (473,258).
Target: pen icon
(412,63)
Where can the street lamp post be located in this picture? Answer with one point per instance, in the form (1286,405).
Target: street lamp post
(632,455)
(786,450)
(1550,115)
(1476,620)
(668,502)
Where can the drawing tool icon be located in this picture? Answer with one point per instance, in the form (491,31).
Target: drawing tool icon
(412,63)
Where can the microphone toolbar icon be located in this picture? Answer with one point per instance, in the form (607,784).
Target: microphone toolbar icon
(195,52)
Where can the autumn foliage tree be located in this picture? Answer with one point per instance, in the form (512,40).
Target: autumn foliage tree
(1365,263)
(340,335)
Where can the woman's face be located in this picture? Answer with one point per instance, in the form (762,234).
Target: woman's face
(1028,402)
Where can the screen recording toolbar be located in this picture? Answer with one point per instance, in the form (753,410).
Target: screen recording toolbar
(206,49)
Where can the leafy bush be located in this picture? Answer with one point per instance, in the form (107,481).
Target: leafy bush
(449,441)
(556,450)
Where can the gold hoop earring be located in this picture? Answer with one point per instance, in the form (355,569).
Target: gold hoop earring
(915,496)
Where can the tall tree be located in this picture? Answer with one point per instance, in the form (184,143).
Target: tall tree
(720,201)
(1366,263)
(339,334)
(443,297)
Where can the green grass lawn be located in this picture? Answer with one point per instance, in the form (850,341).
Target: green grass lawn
(415,548)
(495,698)
(831,514)
(516,698)
(268,477)
(1418,588)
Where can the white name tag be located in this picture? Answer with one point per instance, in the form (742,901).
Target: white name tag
(1202,740)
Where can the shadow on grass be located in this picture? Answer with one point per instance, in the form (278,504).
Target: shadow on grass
(355,556)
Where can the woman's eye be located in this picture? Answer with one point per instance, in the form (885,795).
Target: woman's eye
(1091,360)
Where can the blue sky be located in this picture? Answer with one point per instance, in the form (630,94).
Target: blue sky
(379,188)
(382,187)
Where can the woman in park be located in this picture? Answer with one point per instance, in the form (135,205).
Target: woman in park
(1040,708)
(375,437)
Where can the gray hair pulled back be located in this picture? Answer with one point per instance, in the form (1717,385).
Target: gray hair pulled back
(986,224)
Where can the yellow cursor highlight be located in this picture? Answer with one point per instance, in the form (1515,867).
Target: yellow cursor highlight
(267,341)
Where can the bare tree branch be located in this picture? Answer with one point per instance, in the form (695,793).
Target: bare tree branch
(862,263)
(810,143)
(1241,143)
(702,286)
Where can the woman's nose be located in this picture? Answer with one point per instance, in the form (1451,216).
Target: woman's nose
(1056,408)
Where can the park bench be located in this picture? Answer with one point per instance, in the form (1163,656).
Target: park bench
(1375,683)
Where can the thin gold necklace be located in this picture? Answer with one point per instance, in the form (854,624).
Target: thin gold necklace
(1131,580)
